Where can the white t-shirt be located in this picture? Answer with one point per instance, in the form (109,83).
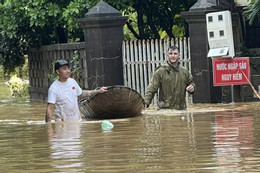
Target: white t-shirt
(65,97)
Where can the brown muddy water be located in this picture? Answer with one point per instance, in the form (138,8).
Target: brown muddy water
(206,138)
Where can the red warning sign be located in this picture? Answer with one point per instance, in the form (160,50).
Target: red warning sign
(231,71)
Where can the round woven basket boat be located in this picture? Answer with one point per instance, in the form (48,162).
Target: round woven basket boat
(117,102)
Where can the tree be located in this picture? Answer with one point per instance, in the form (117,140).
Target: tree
(251,11)
(33,23)
(153,17)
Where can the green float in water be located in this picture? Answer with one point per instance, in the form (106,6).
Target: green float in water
(107,125)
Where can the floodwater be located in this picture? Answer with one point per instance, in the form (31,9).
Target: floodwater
(206,138)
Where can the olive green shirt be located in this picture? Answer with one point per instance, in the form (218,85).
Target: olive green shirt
(171,82)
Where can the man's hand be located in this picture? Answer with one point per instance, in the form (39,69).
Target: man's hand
(146,106)
(190,88)
(88,93)
(102,89)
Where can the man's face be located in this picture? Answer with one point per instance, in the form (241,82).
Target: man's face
(64,72)
(173,56)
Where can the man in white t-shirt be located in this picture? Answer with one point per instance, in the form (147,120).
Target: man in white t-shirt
(63,95)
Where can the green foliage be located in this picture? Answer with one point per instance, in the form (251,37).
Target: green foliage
(21,70)
(153,18)
(25,69)
(132,16)
(18,88)
(76,67)
(251,11)
(33,23)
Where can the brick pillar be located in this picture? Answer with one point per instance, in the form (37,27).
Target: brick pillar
(103,32)
(201,65)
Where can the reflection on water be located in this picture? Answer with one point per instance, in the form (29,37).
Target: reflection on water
(65,144)
(235,141)
(204,138)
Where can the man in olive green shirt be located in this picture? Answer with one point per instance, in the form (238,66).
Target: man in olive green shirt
(172,80)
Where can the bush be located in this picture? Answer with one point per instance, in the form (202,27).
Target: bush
(18,88)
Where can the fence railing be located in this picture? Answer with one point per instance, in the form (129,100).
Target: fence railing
(142,57)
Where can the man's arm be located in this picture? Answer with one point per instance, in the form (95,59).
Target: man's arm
(49,111)
(88,93)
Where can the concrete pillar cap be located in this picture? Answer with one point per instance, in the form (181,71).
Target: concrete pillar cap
(203,4)
(102,9)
